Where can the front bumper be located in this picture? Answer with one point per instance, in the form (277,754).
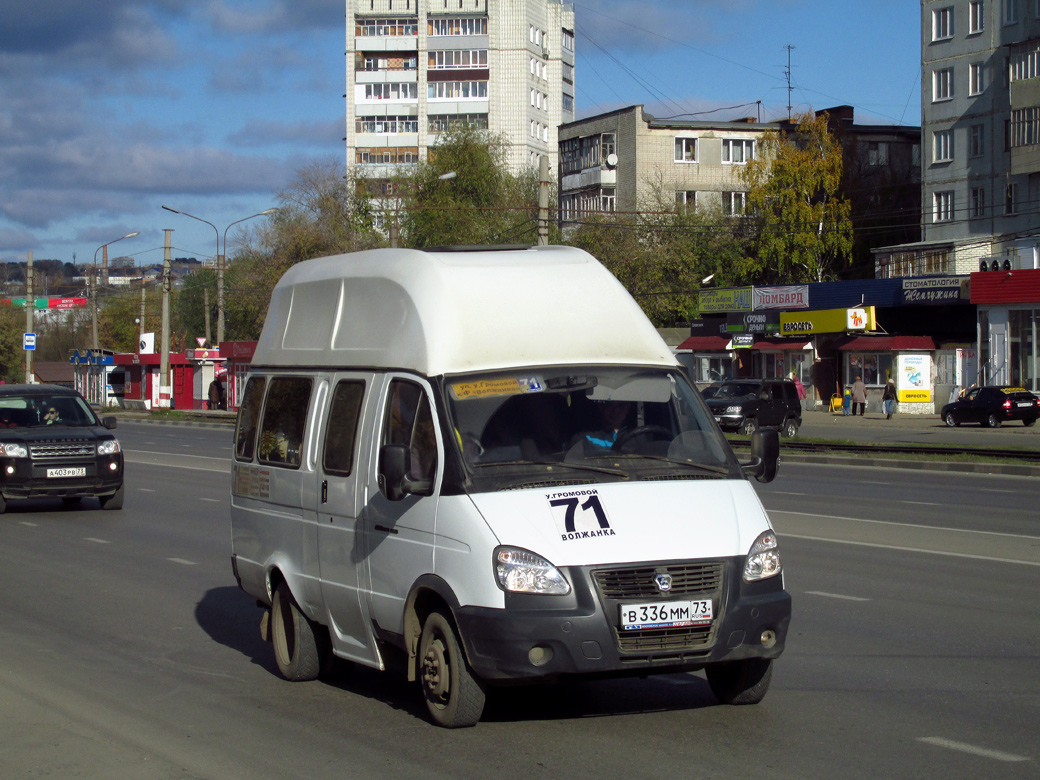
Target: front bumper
(542,637)
(23,478)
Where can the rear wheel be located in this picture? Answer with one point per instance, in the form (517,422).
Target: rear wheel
(993,421)
(740,682)
(748,426)
(790,429)
(950,420)
(294,638)
(454,695)
(1029,423)
(114,501)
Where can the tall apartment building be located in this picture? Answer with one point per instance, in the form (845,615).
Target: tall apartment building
(980,107)
(415,67)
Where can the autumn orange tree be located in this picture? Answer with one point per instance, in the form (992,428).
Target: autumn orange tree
(804,228)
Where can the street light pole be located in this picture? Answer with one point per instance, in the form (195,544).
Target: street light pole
(93,281)
(220,261)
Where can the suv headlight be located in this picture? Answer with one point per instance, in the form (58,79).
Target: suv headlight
(763,559)
(14,450)
(734,409)
(108,447)
(521,571)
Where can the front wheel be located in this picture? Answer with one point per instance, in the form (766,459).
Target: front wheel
(114,501)
(950,420)
(294,638)
(790,429)
(993,421)
(454,695)
(740,682)
(748,426)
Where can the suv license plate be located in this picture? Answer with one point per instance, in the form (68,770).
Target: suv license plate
(80,471)
(665,614)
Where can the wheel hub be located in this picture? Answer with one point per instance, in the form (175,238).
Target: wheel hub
(436,678)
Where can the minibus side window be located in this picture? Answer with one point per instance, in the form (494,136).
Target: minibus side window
(409,421)
(248,417)
(340,434)
(285,415)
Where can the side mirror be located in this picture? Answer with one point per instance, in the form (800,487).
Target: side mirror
(395,461)
(109,422)
(765,455)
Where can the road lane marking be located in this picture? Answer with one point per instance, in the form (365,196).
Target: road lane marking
(96,541)
(212,500)
(31,525)
(922,526)
(975,750)
(898,548)
(923,503)
(182,561)
(834,595)
(146,490)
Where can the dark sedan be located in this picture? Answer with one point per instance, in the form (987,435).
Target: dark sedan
(991,406)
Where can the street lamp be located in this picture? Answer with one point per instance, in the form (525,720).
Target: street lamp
(93,281)
(220,260)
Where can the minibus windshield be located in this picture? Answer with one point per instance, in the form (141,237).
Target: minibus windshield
(579,424)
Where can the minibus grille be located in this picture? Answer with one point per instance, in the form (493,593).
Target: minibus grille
(61,449)
(637,583)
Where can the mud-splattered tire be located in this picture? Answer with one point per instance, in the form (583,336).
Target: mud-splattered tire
(295,639)
(454,695)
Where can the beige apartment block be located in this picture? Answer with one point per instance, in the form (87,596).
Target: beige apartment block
(416,67)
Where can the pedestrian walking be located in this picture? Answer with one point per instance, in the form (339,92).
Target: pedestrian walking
(888,398)
(859,397)
(846,402)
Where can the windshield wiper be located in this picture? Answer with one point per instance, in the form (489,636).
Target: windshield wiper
(553,463)
(722,470)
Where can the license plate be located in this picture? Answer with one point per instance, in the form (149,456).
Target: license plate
(81,471)
(665,614)
(1025,403)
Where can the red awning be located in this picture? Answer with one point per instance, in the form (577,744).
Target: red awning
(887,344)
(705,344)
(771,345)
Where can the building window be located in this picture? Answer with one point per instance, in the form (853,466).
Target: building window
(685,201)
(456,90)
(570,156)
(942,206)
(976,17)
(1025,61)
(387,156)
(446,60)
(370,28)
(387,125)
(1010,11)
(1011,203)
(942,84)
(373,62)
(877,153)
(737,150)
(457,26)
(874,367)
(567,38)
(439,123)
(976,140)
(567,103)
(734,203)
(942,146)
(942,24)
(402,91)
(686,150)
(1025,127)
(975,82)
(978,202)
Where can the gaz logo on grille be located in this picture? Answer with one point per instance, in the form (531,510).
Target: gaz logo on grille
(579,514)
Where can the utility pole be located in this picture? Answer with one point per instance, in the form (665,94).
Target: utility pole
(787,74)
(205,309)
(165,391)
(30,309)
(92,289)
(543,201)
(140,332)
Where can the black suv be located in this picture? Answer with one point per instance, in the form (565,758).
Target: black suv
(53,445)
(745,404)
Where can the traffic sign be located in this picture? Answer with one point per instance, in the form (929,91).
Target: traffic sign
(30,341)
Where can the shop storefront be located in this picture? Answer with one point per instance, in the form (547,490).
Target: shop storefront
(1008,303)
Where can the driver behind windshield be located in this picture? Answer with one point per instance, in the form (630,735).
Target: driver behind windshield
(614,418)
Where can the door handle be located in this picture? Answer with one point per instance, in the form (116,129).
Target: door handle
(324,491)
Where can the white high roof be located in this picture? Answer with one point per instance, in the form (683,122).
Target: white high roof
(450,312)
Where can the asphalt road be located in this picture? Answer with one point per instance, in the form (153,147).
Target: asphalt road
(128,652)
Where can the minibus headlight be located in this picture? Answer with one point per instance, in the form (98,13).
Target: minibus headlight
(521,571)
(108,447)
(763,559)
(14,450)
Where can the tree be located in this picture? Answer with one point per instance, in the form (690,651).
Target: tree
(803,225)
(198,289)
(12,353)
(464,194)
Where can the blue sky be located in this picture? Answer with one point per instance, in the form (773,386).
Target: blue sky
(111,108)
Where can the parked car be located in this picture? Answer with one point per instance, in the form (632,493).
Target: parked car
(53,445)
(991,406)
(746,404)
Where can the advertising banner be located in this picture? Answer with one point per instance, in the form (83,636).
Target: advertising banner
(936,289)
(730,299)
(808,323)
(753,322)
(914,378)
(788,297)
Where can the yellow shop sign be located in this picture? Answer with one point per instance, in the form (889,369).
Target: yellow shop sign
(808,323)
